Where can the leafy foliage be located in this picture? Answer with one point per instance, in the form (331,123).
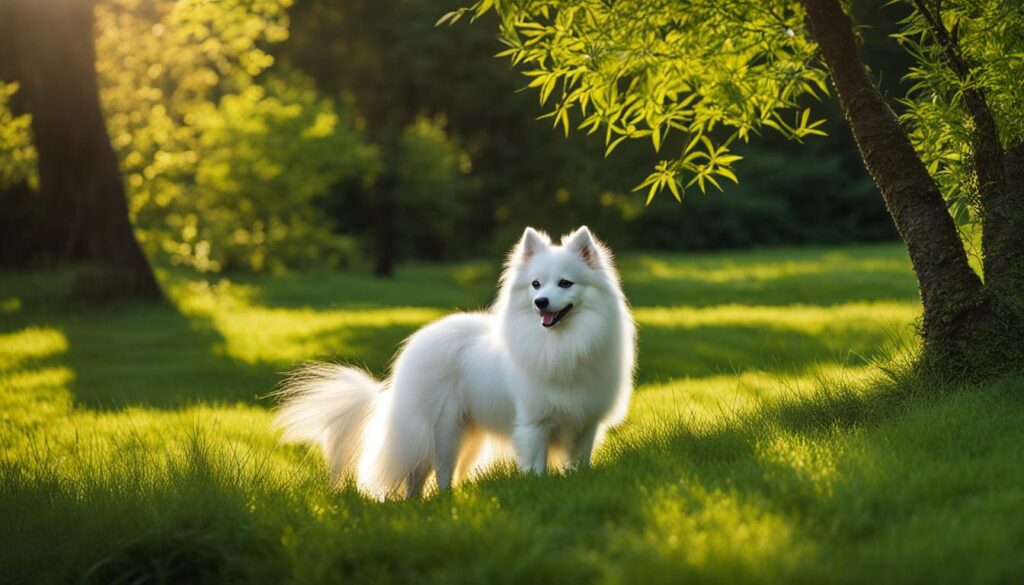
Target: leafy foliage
(201,102)
(17,156)
(433,185)
(221,163)
(710,72)
(268,152)
(990,35)
(406,80)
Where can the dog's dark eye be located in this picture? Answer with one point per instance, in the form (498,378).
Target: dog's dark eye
(535,284)
(565,283)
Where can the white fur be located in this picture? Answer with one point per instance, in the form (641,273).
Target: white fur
(470,378)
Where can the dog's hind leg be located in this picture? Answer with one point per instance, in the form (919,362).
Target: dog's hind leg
(448,434)
(472,444)
(415,480)
(446,452)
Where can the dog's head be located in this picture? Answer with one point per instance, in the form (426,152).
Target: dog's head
(556,280)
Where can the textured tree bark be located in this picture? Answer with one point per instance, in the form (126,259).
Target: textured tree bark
(1004,271)
(52,54)
(1002,205)
(951,292)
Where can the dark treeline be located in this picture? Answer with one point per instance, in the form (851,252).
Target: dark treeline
(389,55)
(437,154)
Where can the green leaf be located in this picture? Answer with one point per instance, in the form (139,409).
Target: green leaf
(674,187)
(614,143)
(727,173)
(482,7)
(650,194)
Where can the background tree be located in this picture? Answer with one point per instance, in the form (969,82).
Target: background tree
(81,193)
(714,74)
(367,52)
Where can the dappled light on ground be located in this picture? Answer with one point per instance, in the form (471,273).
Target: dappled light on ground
(724,270)
(715,531)
(762,444)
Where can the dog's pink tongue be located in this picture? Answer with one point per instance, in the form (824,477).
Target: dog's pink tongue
(547,318)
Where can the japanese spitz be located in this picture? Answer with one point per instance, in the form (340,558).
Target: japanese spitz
(545,371)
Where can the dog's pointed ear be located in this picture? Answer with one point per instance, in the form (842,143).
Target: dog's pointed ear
(532,242)
(584,244)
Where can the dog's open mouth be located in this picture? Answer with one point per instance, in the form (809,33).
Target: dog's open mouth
(551,318)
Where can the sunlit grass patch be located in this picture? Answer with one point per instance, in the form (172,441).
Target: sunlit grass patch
(284,336)
(721,398)
(725,270)
(805,459)
(692,530)
(805,318)
(30,343)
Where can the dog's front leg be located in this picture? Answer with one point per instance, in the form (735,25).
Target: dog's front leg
(531,445)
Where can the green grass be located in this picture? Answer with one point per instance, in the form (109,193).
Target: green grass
(762,446)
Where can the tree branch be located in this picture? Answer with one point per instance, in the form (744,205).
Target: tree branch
(988,151)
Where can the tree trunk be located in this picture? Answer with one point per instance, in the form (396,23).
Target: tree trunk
(1002,205)
(1005,271)
(954,304)
(50,44)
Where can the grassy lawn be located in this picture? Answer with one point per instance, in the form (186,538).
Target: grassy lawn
(763,444)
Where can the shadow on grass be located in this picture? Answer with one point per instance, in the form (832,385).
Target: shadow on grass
(464,286)
(159,358)
(696,352)
(810,276)
(784,276)
(138,355)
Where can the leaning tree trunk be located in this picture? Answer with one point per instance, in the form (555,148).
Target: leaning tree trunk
(52,54)
(958,315)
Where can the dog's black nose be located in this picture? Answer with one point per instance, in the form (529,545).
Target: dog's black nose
(541,303)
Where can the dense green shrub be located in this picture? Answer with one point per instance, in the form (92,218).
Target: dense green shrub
(17,157)
(265,154)
(222,157)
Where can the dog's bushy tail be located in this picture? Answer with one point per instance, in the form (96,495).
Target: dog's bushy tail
(348,412)
(329,405)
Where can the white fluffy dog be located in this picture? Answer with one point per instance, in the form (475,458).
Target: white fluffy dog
(549,366)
